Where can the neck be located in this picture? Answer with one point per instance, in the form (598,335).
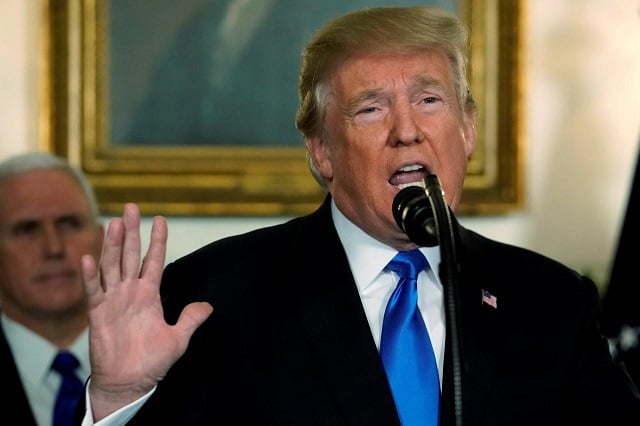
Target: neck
(61,330)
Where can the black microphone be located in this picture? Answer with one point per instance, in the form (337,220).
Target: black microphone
(414,215)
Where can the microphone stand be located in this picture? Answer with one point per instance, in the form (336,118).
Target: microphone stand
(449,270)
(429,224)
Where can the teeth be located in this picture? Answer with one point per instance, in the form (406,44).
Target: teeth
(419,183)
(411,168)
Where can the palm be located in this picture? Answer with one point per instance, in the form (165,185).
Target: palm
(131,345)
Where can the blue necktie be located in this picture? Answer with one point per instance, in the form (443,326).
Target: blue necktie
(71,389)
(406,349)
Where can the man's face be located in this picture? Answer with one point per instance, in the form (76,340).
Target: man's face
(45,227)
(387,115)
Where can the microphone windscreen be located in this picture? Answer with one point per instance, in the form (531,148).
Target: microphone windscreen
(414,215)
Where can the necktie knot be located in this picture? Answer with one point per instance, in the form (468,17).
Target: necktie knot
(65,363)
(408,264)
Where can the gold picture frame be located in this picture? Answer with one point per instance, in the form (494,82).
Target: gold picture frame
(256,180)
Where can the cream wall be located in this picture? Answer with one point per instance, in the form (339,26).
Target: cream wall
(582,127)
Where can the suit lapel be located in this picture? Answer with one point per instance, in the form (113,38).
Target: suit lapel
(331,312)
(14,404)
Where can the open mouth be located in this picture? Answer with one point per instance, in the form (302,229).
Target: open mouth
(411,175)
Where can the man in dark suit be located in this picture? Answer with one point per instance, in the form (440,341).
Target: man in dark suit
(48,220)
(300,316)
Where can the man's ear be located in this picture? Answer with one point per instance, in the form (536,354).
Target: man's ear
(469,132)
(319,156)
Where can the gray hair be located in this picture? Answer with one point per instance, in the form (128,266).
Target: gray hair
(27,162)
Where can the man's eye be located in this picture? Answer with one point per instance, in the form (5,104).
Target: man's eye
(71,223)
(430,100)
(368,110)
(26,228)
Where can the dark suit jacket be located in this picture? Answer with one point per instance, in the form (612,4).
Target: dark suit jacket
(14,406)
(288,342)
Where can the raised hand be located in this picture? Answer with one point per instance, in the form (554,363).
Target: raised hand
(131,345)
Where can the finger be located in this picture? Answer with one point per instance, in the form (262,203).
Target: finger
(153,263)
(192,316)
(91,281)
(130,260)
(110,274)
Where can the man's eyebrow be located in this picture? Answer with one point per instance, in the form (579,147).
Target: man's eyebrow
(364,96)
(420,81)
(22,223)
(423,80)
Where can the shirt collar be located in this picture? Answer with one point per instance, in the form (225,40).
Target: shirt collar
(367,256)
(34,355)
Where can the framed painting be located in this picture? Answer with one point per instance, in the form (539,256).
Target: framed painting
(187,108)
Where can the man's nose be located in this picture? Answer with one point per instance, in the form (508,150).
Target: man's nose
(406,129)
(53,241)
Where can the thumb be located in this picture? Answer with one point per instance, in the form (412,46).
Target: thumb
(192,317)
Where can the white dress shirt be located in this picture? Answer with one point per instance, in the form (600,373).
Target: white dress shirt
(367,258)
(33,356)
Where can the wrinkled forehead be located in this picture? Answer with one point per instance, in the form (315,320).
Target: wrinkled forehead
(372,69)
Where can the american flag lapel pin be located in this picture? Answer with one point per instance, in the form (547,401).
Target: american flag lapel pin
(489,299)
